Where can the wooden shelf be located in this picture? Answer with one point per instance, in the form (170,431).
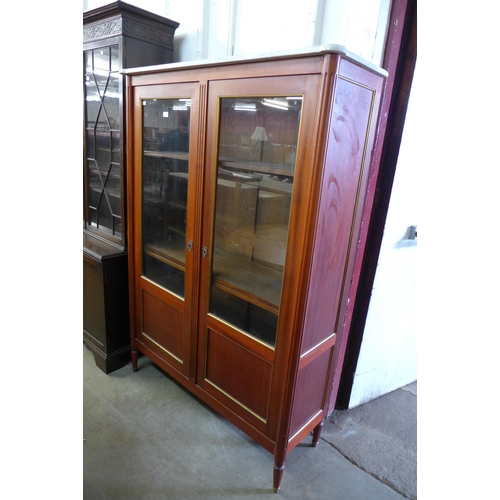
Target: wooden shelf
(171,253)
(278,187)
(257,166)
(112,191)
(243,278)
(233,183)
(177,206)
(153,195)
(179,175)
(112,174)
(248,280)
(174,155)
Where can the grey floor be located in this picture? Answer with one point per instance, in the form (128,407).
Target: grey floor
(145,438)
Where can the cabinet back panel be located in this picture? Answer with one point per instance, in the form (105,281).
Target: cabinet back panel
(163,325)
(240,374)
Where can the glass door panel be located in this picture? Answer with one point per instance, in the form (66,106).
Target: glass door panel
(255,172)
(164,191)
(102,124)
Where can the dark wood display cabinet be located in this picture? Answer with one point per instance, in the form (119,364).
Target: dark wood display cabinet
(248,179)
(115,36)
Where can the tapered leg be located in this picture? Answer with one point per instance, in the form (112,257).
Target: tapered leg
(316,433)
(277,476)
(134,354)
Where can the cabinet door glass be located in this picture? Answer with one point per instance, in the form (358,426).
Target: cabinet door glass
(164,191)
(255,172)
(102,138)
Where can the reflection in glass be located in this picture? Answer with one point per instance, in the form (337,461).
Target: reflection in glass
(115,58)
(112,101)
(102,117)
(164,191)
(102,59)
(88,61)
(92,101)
(255,172)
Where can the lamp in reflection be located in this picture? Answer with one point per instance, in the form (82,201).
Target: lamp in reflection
(258,138)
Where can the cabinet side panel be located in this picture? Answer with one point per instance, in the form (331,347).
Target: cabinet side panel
(309,395)
(340,198)
(94,321)
(139,53)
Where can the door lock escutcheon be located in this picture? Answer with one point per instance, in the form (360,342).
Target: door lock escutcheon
(190,245)
(204,251)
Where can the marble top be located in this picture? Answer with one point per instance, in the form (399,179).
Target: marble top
(306,51)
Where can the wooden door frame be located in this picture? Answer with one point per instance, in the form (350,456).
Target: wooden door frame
(399,60)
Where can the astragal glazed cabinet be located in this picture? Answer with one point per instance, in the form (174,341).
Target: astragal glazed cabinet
(115,36)
(246,185)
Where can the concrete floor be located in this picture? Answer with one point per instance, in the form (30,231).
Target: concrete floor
(147,438)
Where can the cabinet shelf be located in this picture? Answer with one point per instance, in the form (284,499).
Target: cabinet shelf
(153,196)
(278,187)
(177,206)
(252,180)
(171,253)
(257,166)
(247,280)
(254,282)
(174,155)
(112,174)
(112,191)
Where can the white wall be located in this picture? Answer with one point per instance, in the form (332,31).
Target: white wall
(212,29)
(388,355)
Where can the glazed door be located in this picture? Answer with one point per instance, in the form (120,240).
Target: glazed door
(254,144)
(164,196)
(103,196)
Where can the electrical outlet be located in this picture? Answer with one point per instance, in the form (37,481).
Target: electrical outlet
(412,232)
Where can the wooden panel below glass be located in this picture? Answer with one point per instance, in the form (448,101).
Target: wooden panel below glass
(239,374)
(162,327)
